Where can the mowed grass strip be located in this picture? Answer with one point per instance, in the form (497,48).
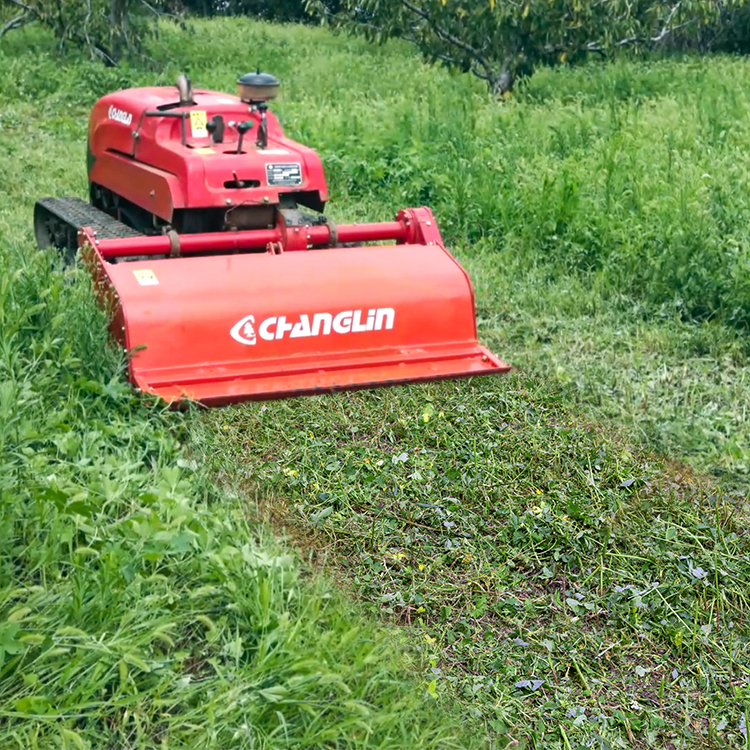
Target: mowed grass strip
(565,587)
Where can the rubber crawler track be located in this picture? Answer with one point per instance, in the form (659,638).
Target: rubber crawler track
(78,213)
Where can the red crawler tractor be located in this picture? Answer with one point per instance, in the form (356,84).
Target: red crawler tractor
(206,237)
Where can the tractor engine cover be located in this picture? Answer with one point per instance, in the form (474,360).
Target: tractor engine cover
(148,151)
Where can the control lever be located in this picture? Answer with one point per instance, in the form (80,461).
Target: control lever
(242,128)
(262,141)
(216,128)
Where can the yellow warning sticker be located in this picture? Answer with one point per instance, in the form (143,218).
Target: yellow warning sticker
(198,122)
(145,277)
(204,150)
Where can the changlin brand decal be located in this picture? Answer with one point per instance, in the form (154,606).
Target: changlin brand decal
(244,331)
(120,115)
(278,327)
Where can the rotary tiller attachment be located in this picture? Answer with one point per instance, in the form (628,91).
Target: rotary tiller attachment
(258,314)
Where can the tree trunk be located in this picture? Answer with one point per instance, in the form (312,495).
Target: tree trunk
(15,23)
(502,83)
(118,15)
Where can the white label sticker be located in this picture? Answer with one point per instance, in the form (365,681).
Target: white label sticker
(198,122)
(146,277)
(120,115)
(284,174)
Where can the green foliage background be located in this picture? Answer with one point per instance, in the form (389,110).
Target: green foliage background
(500,42)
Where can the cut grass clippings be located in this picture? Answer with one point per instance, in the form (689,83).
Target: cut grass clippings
(564,587)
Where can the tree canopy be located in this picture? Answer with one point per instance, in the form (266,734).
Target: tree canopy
(107,29)
(500,40)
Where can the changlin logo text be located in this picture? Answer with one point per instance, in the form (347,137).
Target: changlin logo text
(120,115)
(278,327)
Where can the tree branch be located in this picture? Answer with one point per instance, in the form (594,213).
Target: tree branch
(26,8)
(666,29)
(446,36)
(15,23)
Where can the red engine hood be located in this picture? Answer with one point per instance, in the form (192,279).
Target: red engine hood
(163,162)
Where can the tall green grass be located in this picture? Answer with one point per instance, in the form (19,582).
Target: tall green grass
(138,607)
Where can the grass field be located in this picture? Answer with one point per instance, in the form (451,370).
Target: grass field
(564,550)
